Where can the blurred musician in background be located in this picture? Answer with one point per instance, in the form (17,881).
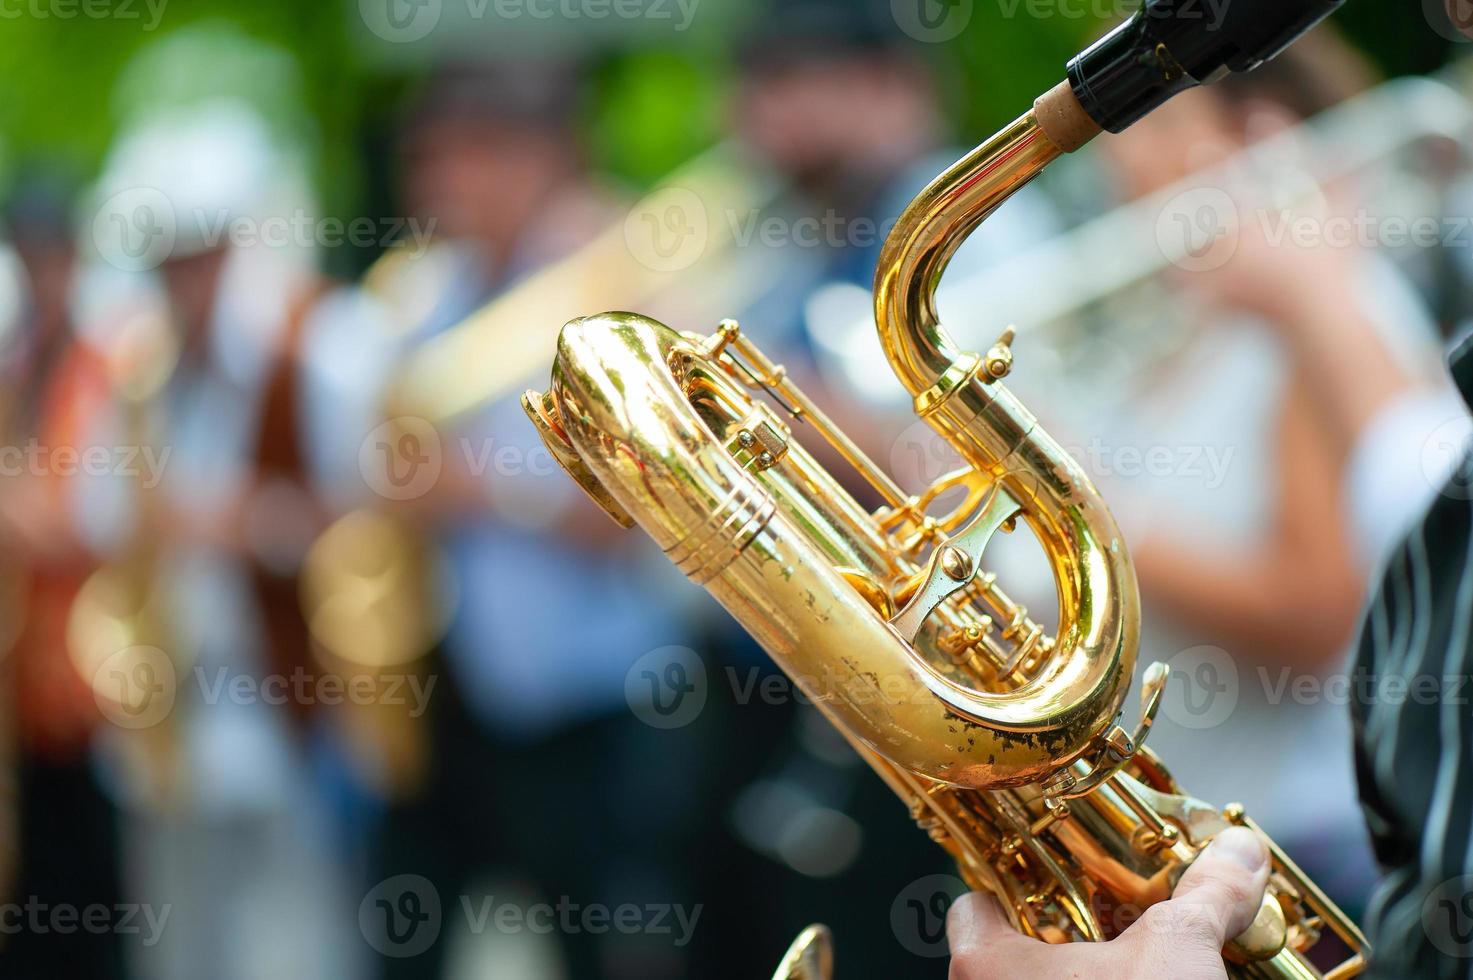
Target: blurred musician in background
(57,387)
(222,809)
(544,783)
(844,107)
(1262,575)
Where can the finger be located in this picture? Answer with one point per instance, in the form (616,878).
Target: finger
(1219,894)
(976,927)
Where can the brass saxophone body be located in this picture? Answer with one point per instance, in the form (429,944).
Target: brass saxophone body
(1002,740)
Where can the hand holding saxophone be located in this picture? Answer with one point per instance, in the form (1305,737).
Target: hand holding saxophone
(1216,898)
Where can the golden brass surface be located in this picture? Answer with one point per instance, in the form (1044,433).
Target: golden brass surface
(811,957)
(1002,740)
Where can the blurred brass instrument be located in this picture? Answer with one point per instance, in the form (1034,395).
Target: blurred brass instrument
(119,633)
(1369,137)
(1002,740)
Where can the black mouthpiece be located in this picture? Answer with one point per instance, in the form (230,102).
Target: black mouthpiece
(1170,46)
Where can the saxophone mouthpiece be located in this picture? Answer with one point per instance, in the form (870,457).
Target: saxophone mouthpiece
(1170,46)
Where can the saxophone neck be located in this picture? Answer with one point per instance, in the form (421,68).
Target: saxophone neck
(934,225)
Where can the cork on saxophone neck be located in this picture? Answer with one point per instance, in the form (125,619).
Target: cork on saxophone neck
(1062,119)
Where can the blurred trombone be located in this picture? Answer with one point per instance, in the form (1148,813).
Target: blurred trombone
(371,594)
(1109,255)
(673,250)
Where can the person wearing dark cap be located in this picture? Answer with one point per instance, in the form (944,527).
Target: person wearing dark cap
(556,609)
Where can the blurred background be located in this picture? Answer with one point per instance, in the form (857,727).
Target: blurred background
(314,663)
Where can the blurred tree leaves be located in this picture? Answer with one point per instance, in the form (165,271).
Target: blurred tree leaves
(650,105)
(654,109)
(68,93)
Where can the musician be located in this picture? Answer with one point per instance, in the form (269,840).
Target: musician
(1415,789)
(65,822)
(1252,576)
(845,108)
(1395,440)
(221,528)
(557,605)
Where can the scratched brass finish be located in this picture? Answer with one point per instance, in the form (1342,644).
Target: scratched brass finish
(1002,740)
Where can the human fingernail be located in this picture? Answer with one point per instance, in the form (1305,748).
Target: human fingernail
(1241,845)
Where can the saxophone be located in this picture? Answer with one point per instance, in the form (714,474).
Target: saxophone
(1003,741)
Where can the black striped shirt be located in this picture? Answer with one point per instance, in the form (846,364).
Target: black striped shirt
(1413,712)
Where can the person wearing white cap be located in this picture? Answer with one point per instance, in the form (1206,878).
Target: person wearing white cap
(240,856)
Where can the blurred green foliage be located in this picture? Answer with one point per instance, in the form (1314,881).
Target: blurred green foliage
(649,105)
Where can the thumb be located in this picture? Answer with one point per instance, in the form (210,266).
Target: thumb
(1220,893)
(976,922)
